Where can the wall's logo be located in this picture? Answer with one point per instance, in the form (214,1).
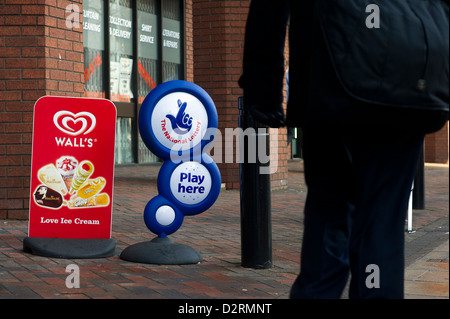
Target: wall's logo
(182,123)
(74,124)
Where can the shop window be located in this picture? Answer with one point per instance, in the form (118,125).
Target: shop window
(131,46)
(94,48)
(124,139)
(171,33)
(148,35)
(121,50)
(148,62)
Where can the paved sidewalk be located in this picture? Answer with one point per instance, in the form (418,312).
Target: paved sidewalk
(216,235)
(427,277)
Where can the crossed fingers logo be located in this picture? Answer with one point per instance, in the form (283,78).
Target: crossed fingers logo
(182,123)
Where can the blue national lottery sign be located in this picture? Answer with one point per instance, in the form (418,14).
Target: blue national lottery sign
(178,122)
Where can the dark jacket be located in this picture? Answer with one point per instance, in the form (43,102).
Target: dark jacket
(316,92)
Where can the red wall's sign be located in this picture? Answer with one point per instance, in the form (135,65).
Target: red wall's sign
(72,169)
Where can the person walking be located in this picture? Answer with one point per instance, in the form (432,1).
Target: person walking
(360,152)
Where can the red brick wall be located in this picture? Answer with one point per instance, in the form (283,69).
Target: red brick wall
(283,151)
(436,146)
(39,56)
(216,63)
(219,29)
(189,41)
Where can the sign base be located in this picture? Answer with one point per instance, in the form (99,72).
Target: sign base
(161,251)
(69,248)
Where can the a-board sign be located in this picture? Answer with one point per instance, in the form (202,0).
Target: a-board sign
(72,169)
(178,122)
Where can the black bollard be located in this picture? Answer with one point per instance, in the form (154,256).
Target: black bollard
(256,224)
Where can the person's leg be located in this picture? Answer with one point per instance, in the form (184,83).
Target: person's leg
(328,173)
(385,166)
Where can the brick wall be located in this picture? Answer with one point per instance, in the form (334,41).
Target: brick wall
(39,56)
(284,150)
(219,29)
(436,146)
(189,41)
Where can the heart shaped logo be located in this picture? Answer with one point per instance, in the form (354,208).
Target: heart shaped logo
(74,124)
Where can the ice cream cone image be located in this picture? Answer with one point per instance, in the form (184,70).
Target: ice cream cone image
(82,173)
(66,166)
(68,182)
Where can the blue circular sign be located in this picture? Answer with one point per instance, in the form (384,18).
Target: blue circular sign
(177,117)
(162,217)
(177,121)
(191,186)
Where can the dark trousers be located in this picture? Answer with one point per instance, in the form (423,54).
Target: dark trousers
(359,181)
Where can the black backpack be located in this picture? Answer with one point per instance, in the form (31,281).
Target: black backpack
(390,52)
